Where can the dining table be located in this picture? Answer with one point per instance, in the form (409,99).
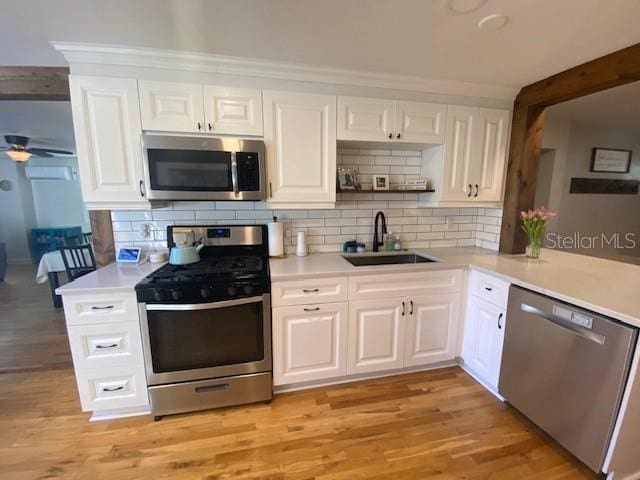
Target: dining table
(51,264)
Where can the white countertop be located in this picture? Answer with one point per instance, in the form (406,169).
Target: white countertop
(116,276)
(603,286)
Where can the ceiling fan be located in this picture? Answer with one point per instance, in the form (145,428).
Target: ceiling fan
(18,151)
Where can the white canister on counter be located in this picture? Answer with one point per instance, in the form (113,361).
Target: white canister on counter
(301,245)
(276,238)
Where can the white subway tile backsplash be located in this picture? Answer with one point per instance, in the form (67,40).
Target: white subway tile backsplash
(326,230)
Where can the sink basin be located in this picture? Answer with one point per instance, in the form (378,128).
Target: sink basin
(368,260)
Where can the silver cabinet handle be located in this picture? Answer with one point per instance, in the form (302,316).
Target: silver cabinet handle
(390,135)
(113,389)
(398,136)
(210,126)
(199,126)
(270,190)
(500,318)
(470,190)
(411,304)
(108,307)
(113,345)
(312,309)
(310,290)
(141,188)
(488,289)
(404,308)
(477,190)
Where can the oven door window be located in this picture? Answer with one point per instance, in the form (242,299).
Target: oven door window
(187,340)
(189,170)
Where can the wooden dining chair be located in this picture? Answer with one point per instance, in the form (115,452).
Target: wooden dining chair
(88,238)
(78,260)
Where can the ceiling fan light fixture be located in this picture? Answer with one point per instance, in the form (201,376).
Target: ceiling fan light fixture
(18,155)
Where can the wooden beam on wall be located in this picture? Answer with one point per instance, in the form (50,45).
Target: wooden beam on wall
(615,69)
(102,233)
(34,83)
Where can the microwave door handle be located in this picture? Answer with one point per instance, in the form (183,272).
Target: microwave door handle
(234,174)
(179,307)
(580,331)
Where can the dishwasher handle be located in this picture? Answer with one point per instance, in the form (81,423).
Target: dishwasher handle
(580,331)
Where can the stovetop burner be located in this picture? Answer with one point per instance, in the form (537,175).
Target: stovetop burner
(214,268)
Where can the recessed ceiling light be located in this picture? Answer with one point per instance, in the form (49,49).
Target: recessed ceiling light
(493,22)
(464,6)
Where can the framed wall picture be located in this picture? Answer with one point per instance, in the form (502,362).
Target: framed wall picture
(381,182)
(610,160)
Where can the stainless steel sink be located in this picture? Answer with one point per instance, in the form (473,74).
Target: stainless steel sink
(396,259)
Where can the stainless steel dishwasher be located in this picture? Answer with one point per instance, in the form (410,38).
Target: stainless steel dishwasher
(565,369)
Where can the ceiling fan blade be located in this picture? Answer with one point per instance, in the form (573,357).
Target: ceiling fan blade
(38,152)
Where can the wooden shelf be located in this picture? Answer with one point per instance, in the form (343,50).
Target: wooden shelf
(385,191)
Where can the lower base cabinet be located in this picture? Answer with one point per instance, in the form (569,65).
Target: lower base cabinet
(376,335)
(309,342)
(483,339)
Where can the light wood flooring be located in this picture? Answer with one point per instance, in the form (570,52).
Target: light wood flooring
(434,425)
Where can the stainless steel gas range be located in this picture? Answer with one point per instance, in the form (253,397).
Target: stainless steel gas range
(206,327)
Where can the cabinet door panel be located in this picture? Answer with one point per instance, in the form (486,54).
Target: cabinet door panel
(300,139)
(484,332)
(309,342)
(432,329)
(459,169)
(420,122)
(171,107)
(493,128)
(376,335)
(106,121)
(367,119)
(233,111)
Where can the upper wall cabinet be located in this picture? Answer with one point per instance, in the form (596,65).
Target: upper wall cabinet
(106,121)
(189,107)
(475,154)
(300,141)
(377,120)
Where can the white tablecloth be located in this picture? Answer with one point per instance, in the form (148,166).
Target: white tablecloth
(52,262)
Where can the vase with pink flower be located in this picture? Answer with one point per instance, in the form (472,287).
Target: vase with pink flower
(534,223)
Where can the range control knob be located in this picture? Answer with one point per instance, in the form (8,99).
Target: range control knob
(175,294)
(205,292)
(232,291)
(157,295)
(248,289)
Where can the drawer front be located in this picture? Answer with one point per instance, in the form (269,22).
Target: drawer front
(309,291)
(112,388)
(93,309)
(110,345)
(404,284)
(489,288)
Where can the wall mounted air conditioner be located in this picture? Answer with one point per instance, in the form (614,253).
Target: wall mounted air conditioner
(49,173)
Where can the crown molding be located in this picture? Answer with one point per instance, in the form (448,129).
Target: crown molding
(91,53)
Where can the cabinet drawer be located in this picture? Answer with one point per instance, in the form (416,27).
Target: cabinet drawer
(112,388)
(109,345)
(301,292)
(92,309)
(404,284)
(489,288)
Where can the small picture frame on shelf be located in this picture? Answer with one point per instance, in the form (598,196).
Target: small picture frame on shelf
(381,182)
(347,179)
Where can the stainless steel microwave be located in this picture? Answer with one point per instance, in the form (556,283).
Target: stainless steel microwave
(203,168)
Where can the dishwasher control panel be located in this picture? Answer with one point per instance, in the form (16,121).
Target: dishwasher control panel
(578,318)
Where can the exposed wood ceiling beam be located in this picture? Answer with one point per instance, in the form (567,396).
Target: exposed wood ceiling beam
(617,68)
(34,83)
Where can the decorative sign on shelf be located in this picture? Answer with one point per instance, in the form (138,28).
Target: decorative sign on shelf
(610,160)
(604,185)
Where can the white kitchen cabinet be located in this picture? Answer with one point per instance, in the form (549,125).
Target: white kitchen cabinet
(171,106)
(380,120)
(420,122)
(432,329)
(367,119)
(309,342)
(483,339)
(474,154)
(376,335)
(300,142)
(106,121)
(233,111)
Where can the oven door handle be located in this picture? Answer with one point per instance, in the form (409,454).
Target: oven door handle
(178,307)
